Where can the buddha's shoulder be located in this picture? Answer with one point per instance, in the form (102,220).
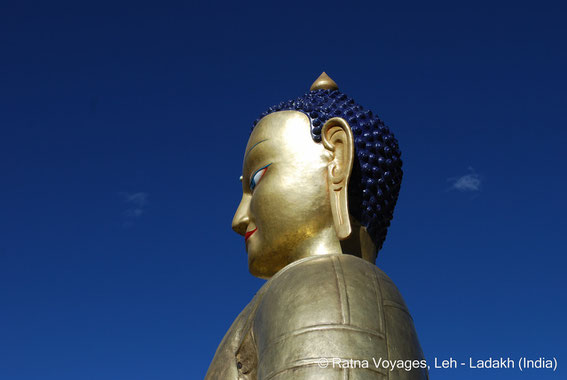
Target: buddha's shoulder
(335,301)
(323,278)
(330,288)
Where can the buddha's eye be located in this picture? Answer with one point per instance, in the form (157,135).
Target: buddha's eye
(257,176)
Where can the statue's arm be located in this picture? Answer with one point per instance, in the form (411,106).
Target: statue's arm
(324,351)
(331,318)
(316,318)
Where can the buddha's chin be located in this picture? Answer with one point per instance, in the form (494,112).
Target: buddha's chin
(257,269)
(262,265)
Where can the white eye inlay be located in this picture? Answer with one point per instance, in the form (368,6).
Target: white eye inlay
(256,177)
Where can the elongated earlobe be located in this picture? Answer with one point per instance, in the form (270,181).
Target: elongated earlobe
(337,139)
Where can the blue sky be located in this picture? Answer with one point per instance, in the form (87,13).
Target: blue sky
(122,130)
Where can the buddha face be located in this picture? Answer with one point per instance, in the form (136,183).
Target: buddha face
(285,212)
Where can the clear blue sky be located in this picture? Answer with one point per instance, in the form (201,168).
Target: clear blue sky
(122,130)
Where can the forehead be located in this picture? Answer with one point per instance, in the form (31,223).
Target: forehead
(282,137)
(283,130)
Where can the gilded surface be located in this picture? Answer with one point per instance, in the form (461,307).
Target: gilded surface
(329,306)
(324,298)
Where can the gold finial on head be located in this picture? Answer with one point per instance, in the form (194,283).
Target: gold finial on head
(324,82)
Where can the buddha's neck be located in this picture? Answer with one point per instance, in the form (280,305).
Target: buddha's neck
(359,244)
(325,243)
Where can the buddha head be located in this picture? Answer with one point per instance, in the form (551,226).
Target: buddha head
(321,175)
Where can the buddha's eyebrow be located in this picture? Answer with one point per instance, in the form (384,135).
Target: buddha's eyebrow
(254,146)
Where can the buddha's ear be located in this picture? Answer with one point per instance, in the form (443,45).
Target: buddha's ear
(337,139)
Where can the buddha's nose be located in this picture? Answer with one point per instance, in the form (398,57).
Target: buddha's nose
(241,217)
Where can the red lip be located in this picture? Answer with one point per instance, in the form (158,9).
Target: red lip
(249,233)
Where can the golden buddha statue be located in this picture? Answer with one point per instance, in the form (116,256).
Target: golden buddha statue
(320,180)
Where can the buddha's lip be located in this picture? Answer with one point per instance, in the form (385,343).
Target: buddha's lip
(249,233)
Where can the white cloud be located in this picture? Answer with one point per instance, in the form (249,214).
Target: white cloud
(467,182)
(137,203)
